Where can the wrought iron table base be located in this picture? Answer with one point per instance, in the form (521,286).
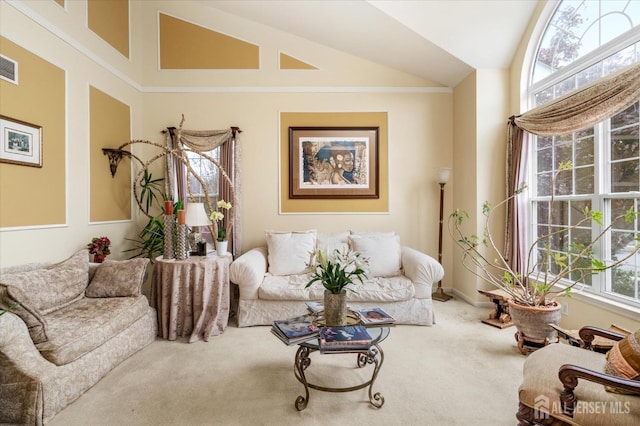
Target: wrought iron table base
(373,356)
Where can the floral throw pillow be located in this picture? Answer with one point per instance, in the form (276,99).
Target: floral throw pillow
(118,278)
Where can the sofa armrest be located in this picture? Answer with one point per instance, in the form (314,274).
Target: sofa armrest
(248,271)
(422,269)
(20,358)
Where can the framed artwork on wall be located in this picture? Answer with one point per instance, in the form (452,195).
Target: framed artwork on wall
(20,142)
(333,162)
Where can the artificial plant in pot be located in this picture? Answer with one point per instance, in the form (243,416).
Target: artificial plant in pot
(336,271)
(554,267)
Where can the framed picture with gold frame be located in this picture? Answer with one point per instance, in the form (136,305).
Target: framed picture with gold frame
(333,162)
(20,142)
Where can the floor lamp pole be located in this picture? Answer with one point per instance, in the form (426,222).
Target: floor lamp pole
(439,294)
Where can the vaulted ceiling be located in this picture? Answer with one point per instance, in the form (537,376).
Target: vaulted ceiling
(438,40)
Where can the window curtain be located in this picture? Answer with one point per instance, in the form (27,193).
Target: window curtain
(576,110)
(202,141)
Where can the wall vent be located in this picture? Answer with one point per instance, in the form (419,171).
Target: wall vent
(8,69)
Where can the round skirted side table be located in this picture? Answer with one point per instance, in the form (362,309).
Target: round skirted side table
(191,296)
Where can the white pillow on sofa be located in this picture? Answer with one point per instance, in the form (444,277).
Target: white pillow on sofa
(383,251)
(289,252)
(329,243)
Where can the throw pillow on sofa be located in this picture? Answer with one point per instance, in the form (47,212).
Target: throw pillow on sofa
(290,252)
(54,286)
(383,251)
(118,278)
(329,243)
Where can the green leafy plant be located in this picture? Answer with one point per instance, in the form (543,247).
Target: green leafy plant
(150,240)
(151,191)
(551,272)
(336,271)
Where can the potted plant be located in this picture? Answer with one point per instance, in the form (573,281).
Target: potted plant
(220,232)
(150,240)
(99,248)
(549,273)
(336,272)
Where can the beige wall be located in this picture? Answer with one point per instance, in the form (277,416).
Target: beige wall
(57,241)
(110,127)
(34,196)
(419,123)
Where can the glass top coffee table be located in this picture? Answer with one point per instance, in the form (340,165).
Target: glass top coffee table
(372,355)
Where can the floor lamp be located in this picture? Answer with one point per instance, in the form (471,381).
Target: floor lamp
(443,178)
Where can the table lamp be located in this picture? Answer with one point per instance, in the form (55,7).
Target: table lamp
(196,216)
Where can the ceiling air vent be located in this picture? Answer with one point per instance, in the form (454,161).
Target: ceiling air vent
(8,69)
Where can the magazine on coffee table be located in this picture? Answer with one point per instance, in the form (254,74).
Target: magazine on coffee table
(375,317)
(315,306)
(296,329)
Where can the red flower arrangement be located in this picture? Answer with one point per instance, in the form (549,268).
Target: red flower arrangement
(99,248)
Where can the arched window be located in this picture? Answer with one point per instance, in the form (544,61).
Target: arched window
(583,42)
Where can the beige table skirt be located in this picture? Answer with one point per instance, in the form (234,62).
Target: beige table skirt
(191,296)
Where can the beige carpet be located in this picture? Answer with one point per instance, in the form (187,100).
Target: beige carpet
(458,372)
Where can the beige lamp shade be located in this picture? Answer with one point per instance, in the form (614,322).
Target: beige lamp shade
(195,215)
(443,175)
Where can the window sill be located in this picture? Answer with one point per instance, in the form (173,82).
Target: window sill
(607,304)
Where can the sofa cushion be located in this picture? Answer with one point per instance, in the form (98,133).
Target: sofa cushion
(289,252)
(118,278)
(289,287)
(54,286)
(623,360)
(12,299)
(88,323)
(383,251)
(379,289)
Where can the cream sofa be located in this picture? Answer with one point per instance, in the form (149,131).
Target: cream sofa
(75,322)
(272,279)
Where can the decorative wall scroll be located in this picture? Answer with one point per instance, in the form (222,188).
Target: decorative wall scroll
(333,162)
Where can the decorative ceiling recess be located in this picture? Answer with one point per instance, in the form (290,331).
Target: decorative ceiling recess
(110,21)
(184,45)
(290,63)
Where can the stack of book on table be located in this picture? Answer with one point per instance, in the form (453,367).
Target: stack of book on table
(295,330)
(344,338)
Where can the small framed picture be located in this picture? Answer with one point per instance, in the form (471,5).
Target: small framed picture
(20,142)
